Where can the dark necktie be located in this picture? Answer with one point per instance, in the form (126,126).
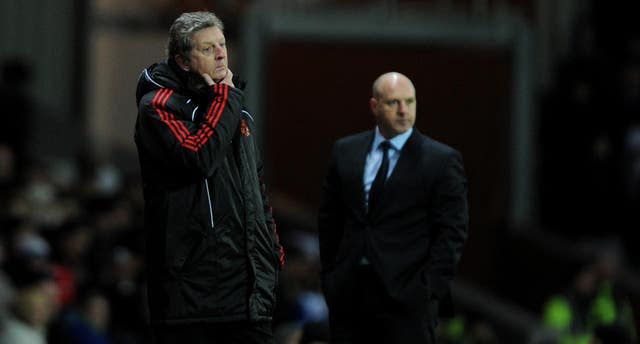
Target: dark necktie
(378,183)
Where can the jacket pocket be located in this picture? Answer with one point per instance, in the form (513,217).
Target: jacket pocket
(184,248)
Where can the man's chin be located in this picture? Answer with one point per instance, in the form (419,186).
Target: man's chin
(402,129)
(219,76)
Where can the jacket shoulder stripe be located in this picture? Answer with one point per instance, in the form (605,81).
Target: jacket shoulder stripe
(182,129)
(207,133)
(158,103)
(212,117)
(196,141)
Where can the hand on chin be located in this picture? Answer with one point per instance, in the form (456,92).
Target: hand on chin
(220,74)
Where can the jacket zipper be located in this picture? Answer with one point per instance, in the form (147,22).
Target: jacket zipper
(206,184)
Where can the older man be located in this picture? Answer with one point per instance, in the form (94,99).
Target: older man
(212,251)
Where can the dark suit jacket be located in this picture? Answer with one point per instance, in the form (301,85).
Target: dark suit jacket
(413,239)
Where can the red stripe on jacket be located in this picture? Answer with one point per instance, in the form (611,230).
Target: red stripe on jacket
(196,141)
(213,115)
(158,103)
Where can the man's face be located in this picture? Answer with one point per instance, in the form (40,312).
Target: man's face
(395,107)
(209,53)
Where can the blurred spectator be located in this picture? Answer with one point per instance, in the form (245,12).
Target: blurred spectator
(453,331)
(107,181)
(64,176)
(483,332)
(299,296)
(124,287)
(465,329)
(594,304)
(311,306)
(33,308)
(72,242)
(28,250)
(612,311)
(302,314)
(32,251)
(288,333)
(87,323)
(38,199)
(568,313)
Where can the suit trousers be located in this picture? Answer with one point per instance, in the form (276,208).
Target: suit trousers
(374,317)
(236,332)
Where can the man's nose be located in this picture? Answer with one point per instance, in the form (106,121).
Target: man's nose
(402,108)
(220,53)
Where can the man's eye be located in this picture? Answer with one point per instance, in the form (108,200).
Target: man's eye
(207,50)
(393,102)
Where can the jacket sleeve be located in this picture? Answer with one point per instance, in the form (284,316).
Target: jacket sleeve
(449,219)
(330,215)
(197,147)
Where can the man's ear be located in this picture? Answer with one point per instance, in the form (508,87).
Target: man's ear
(182,62)
(373,103)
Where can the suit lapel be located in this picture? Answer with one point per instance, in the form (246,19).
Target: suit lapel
(356,175)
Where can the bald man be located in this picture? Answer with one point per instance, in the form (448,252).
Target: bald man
(392,224)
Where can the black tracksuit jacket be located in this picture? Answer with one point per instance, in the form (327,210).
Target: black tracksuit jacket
(212,250)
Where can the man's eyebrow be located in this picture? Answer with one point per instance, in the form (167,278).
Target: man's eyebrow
(214,42)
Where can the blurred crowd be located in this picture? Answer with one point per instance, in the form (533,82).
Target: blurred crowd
(72,268)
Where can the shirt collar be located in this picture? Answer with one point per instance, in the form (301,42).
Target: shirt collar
(397,142)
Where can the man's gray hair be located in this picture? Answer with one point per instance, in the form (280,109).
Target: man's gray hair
(182,30)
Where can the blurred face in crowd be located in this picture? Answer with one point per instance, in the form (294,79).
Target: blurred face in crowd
(393,104)
(97,312)
(209,53)
(37,304)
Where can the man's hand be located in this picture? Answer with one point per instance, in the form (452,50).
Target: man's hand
(207,78)
(228,79)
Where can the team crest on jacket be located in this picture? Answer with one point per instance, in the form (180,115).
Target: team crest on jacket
(244,128)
